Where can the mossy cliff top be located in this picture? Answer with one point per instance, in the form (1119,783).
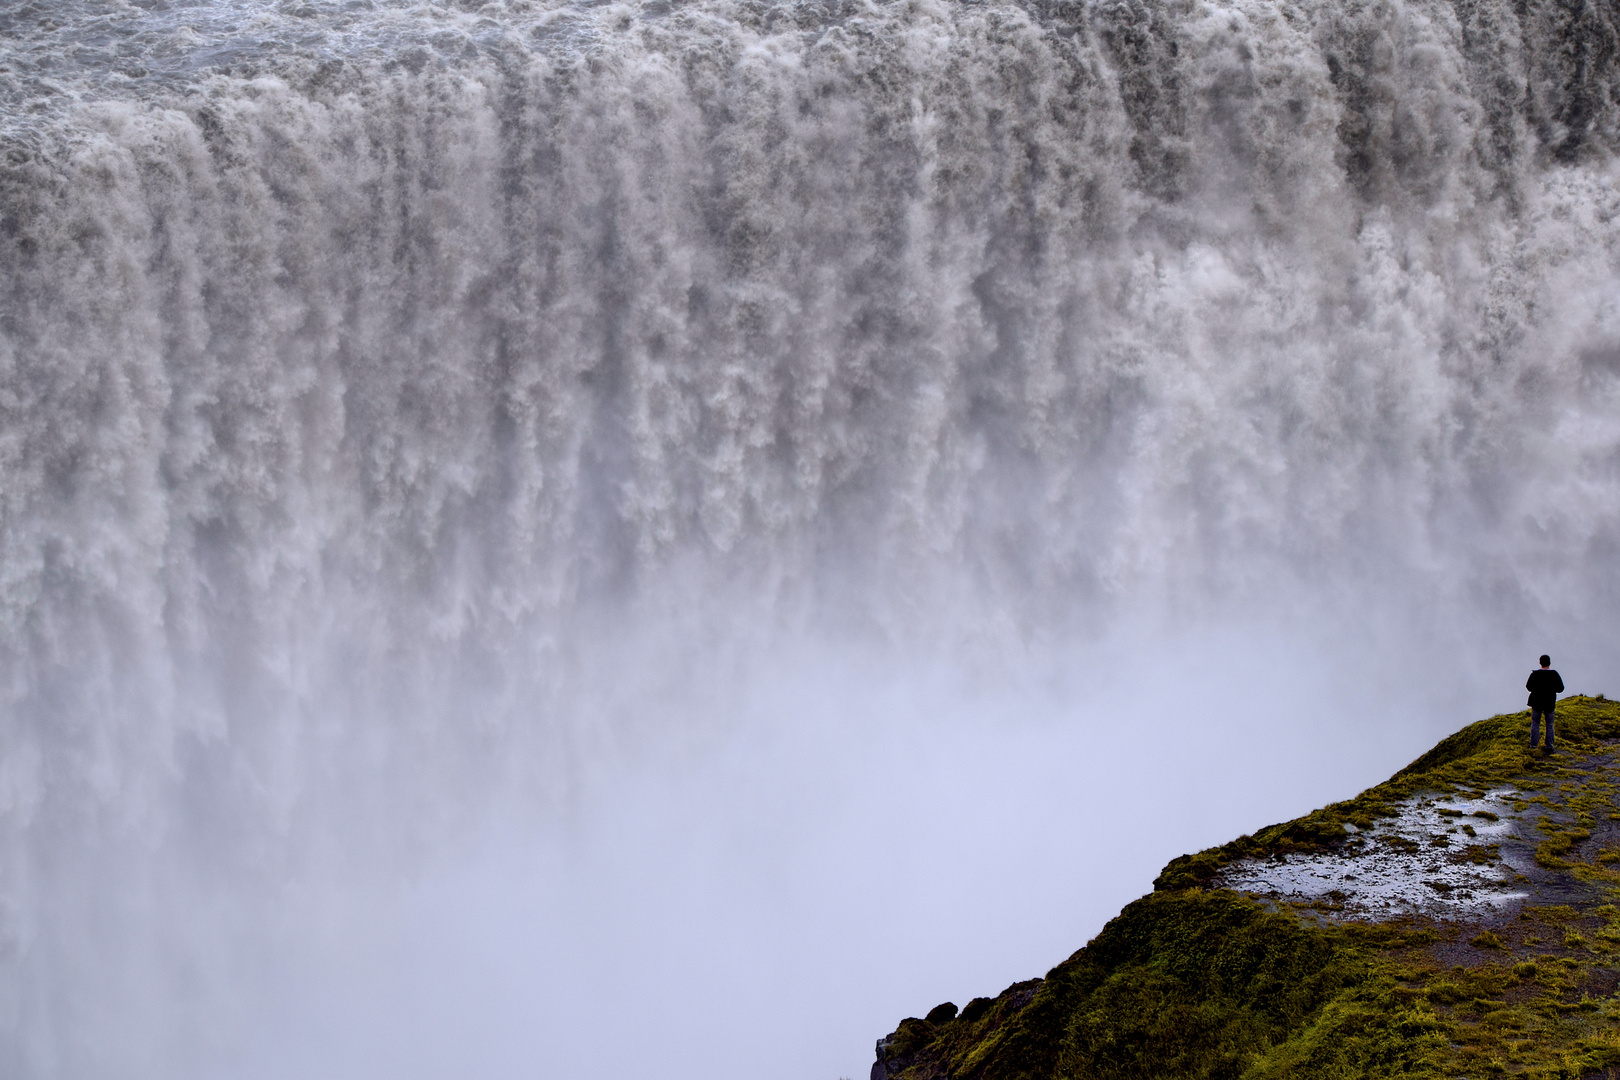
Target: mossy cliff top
(1461,919)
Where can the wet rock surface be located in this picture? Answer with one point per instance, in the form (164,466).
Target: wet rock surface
(1420,862)
(1461,856)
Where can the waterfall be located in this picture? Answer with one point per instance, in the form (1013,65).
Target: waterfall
(410,412)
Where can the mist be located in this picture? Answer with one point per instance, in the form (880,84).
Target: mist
(587,541)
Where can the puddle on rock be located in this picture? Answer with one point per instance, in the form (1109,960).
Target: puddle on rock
(1419,862)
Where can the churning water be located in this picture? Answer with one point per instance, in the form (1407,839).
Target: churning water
(607,539)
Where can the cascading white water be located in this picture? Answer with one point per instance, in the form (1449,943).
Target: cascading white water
(411,415)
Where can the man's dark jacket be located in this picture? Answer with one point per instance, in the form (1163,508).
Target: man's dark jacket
(1544,686)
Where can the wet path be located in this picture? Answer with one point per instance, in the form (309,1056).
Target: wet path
(1469,856)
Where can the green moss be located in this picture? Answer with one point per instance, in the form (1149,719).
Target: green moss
(912,1035)
(1194,982)
(1206,985)
(1560,842)
(1191,984)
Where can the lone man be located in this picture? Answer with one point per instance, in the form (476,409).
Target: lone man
(1544,686)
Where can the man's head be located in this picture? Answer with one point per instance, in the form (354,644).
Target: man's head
(1546,661)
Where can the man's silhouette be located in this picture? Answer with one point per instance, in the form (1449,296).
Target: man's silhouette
(1544,687)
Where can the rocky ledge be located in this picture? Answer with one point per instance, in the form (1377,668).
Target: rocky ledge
(1461,919)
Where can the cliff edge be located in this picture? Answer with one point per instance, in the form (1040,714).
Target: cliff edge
(1461,919)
